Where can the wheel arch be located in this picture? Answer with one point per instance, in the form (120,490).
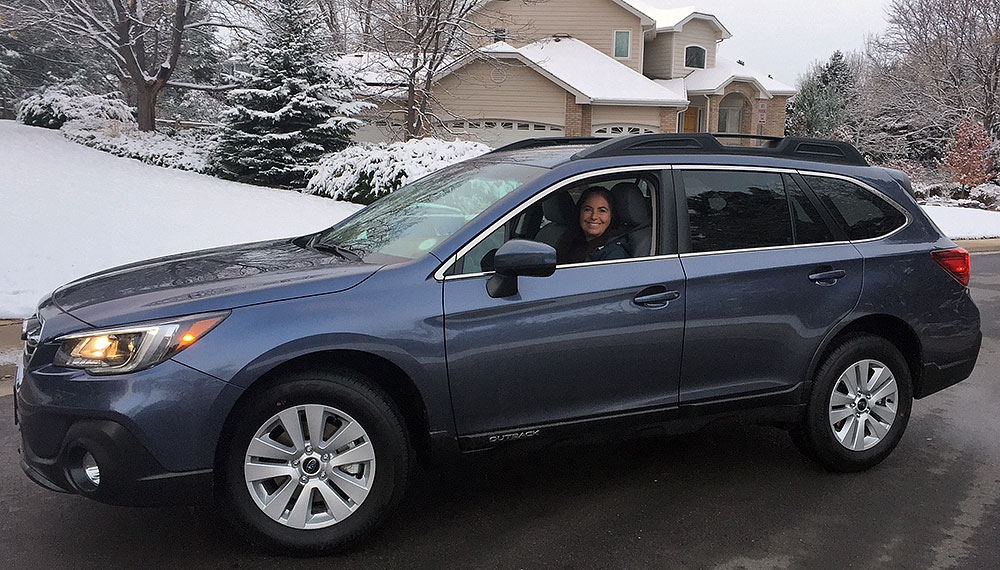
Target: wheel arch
(889,327)
(381,372)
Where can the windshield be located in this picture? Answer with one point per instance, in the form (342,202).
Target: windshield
(418,216)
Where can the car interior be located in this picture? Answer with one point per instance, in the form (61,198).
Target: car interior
(546,221)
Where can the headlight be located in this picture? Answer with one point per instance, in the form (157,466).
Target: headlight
(136,347)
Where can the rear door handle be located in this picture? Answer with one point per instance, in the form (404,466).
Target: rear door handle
(655,296)
(827,277)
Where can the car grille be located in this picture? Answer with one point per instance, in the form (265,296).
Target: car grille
(31,331)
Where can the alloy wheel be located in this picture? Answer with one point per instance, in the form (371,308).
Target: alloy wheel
(309,466)
(863,405)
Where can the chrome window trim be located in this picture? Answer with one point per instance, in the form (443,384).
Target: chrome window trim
(573,265)
(780,170)
(439,273)
(768,248)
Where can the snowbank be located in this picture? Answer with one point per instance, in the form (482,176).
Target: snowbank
(965,223)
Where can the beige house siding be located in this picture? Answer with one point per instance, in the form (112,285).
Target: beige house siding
(608,115)
(523,94)
(699,33)
(658,59)
(591,21)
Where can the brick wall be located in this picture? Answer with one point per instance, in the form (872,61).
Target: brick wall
(668,119)
(578,118)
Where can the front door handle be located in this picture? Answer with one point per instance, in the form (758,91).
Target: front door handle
(829,277)
(656,296)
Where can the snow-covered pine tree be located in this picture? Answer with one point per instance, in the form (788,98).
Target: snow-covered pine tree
(293,107)
(968,156)
(822,106)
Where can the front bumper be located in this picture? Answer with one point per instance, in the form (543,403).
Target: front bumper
(129,475)
(152,434)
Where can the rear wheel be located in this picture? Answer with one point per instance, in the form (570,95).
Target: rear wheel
(315,463)
(859,406)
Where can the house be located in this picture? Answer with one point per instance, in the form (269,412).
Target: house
(593,67)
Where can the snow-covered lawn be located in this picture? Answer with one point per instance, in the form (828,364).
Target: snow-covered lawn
(965,223)
(68,210)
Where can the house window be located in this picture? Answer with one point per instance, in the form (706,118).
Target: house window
(694,56)
(623,42)
(729,119)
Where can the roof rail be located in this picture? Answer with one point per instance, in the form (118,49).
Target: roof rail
(548,141)
(705,143)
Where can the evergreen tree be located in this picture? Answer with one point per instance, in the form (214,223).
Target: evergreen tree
(293,107)
(822,108)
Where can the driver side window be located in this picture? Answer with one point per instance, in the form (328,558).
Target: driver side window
(621,226)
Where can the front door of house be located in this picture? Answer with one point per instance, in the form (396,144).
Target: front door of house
(691,120)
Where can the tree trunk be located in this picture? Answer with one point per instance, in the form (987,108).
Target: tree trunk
(146,103)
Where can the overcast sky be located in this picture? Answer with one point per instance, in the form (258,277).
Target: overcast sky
(783,37)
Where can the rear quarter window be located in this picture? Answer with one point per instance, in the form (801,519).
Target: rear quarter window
(862,213)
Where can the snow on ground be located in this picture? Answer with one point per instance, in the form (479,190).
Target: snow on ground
(965,223)
(68,210)
(9,356)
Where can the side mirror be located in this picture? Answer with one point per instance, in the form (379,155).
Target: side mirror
(519,257)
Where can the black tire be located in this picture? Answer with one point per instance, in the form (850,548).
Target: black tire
(363,405)
(816,436)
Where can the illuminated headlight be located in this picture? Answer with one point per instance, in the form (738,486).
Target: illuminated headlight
(134,347)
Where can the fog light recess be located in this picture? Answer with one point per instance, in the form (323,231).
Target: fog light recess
(90,469)
(85,471)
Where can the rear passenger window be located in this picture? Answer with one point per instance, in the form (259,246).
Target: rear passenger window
(736,210)
(861,213)
(807,225)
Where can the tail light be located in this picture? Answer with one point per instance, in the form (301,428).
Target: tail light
(954,261)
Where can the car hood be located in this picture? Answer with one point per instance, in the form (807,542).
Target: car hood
(208,280)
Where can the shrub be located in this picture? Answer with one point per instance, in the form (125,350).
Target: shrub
(366,172)
(184,149)
(968,156)
(55,106)
(988,194)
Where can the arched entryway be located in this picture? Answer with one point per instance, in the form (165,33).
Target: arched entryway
(735,114)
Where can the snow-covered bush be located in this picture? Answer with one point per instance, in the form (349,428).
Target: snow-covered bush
(364,173)
(57,105)
(988,194)
(184,149)
(947,190)
(984,197)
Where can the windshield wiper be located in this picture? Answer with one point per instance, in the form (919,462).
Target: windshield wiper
(337,250)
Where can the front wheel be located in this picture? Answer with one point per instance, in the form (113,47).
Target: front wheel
(859,406)
(314,463)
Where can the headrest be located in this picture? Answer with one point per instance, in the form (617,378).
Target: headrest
(630,207)
(560,209)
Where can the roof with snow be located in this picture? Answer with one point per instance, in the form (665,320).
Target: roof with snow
(673,19)
(713,81)
(584,71)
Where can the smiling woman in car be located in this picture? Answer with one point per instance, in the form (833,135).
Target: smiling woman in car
(597,237)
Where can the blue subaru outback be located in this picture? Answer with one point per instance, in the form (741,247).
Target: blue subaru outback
(551,288)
